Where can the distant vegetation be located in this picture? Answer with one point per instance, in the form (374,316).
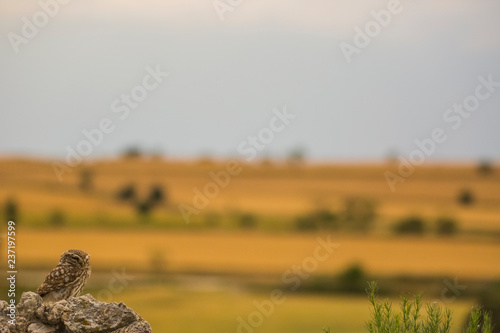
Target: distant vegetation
(11,210)
(416,225)
(358,215)
(485,167)
(466,197)
(413,225)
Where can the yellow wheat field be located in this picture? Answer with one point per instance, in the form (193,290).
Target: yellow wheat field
(262,254)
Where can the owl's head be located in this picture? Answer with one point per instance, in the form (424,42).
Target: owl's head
(77,258)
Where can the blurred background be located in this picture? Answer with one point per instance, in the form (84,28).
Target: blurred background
(209,153)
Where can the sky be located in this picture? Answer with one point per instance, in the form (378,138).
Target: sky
(338,80)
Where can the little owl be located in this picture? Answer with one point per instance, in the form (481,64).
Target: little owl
(67,279)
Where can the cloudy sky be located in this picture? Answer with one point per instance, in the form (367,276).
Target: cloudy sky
(233,64)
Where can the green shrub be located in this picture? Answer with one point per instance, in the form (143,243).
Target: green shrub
(57,218)
(359,214)
(86,180)
(466,197)
(318,219)
(489,299)
(306,223)
(352,280)
(410,225)
(143,208)
(212,220)
(127,193)
(485,167)
(11,210)
(385,319)
(157,195)
(247,221)
(446,226)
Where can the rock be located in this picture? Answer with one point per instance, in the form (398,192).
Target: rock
(41,328)
(82,314)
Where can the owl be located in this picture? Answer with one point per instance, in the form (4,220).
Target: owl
(68,278)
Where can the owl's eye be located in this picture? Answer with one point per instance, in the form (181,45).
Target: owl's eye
(77,258)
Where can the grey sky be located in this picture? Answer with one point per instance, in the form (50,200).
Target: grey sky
(227,76)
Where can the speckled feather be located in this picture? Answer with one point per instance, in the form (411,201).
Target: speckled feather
(68,278)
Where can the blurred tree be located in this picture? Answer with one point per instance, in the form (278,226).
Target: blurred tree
(466,197)
(296,157)
(132,152)
(485,167)
(247,221)
(410,225)
(157,195)
(57,218)
(320,218)
(127,193)
(11,210)
(352,280)
(144,208)
(359,213)
(306,223)
(86,179)
(446,226)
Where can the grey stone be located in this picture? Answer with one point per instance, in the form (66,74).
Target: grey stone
(41,328)
(82,314)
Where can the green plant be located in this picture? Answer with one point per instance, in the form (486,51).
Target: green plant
(247,221)
(485,167)
(57,218)
(359,213)
(126,193)
(384,319)
(410,225)
(352,280)
(317,219)
(86,180)
(11,210)
(157,195)
(466,197)
(446,226)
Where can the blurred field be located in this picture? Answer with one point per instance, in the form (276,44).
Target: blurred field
(203,275)
(274,192)
(258,254)
(173,309)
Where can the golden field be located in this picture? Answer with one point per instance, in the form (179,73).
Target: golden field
(195,276)
(265,254)
(271,191)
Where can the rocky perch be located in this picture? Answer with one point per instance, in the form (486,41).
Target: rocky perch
(82,314)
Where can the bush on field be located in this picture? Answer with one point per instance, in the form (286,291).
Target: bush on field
(57,218)
(359,214)
(446,226)
(352,280)
(86,180)
(127,193)
(466,197)
(247,221)
(485,167)
(157,195)
(318,219)
(11,210)
(410,225)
